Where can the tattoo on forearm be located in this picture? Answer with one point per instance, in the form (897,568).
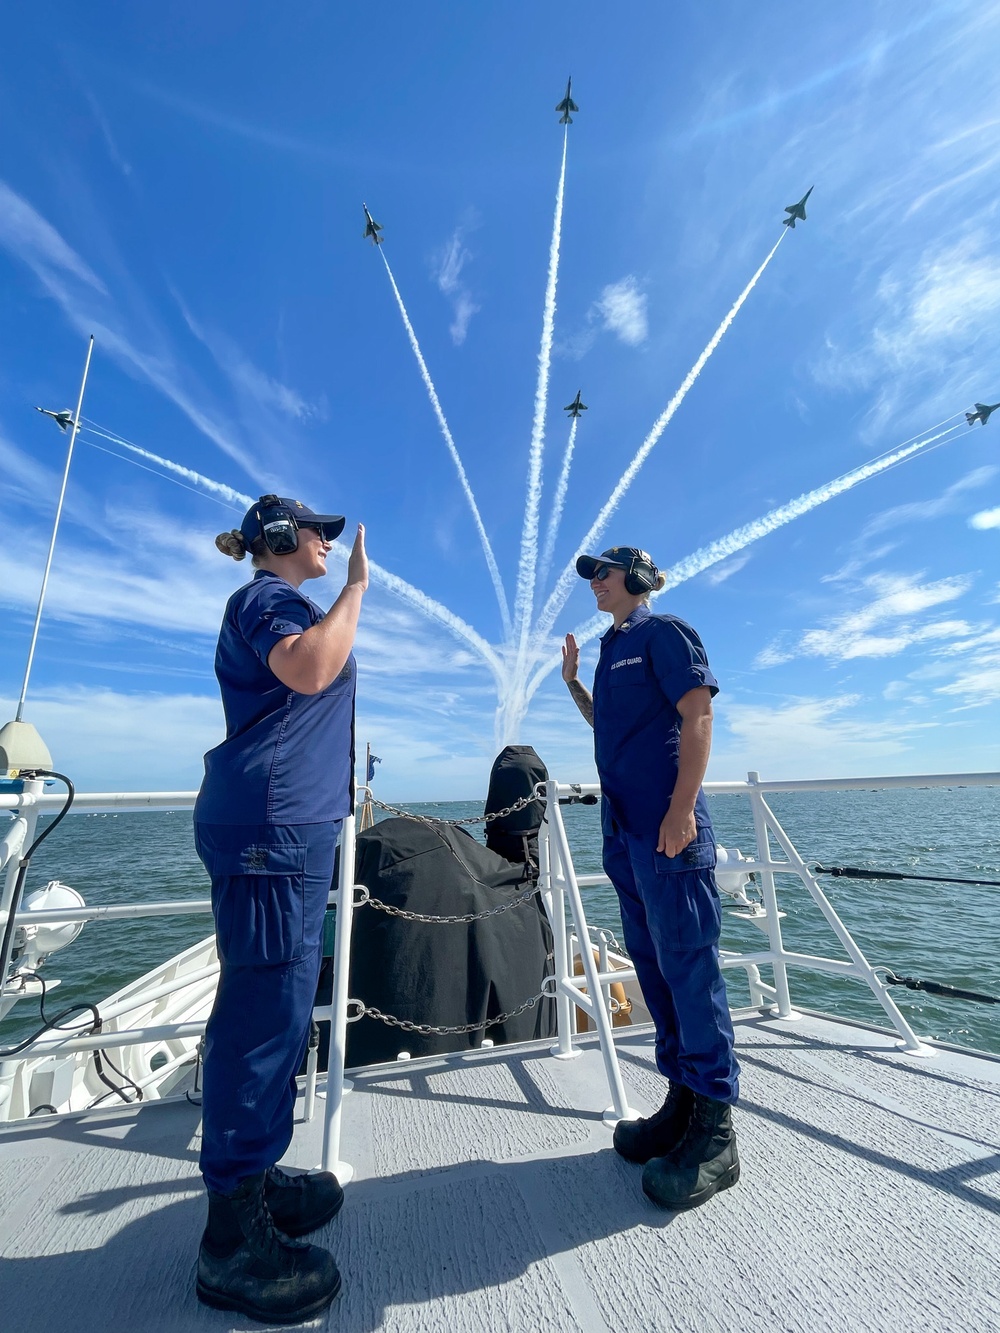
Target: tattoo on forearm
(583,700)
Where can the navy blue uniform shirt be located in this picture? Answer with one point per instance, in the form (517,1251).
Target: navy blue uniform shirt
(287,757)
(646,666)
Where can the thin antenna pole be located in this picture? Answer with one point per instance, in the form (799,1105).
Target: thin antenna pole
(55,529)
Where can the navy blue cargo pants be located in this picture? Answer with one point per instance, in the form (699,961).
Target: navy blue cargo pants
(269,894)
(670,919)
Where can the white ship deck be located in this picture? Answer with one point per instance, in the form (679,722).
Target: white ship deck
(488,1197)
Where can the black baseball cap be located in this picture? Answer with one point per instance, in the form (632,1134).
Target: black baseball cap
(330,525)
(618,557)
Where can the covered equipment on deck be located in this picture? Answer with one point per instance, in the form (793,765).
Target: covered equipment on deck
(443,973)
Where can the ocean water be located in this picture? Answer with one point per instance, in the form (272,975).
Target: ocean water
(941,932)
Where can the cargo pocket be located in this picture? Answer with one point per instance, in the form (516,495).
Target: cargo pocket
(258,894)
(691,912)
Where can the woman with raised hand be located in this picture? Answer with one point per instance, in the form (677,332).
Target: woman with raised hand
(651,711)
(267,820)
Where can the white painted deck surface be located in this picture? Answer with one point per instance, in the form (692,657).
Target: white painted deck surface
(488,1197)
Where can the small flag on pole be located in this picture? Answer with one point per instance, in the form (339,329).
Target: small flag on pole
(373,759)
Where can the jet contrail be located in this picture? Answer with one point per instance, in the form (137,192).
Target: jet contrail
(760,527)
(449,441)
(134,462)
(417,599)
(529,533)
(552,531)
(217,487)
(428,607)
(566,581)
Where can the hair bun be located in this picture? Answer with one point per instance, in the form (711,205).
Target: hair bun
(232,544)
(661,582)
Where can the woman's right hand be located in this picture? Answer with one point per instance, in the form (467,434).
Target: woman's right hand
(357,564)
(570,660)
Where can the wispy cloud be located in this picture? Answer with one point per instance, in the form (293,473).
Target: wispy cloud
(249,381)
(27,235)
(621,308)
(887,624)
(783,740)
(922,510)
(448,266)
(89,308)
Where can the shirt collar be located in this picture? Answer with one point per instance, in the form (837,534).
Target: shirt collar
(633,618)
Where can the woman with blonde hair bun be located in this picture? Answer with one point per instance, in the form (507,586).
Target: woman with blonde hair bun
(267,818)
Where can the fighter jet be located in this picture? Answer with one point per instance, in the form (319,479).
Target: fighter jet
(65,419)
(567,105)
(982,413)
(575,407)
(797,211)
(372,228)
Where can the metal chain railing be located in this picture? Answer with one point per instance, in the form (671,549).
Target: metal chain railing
(520,804)
(362,1010)
(466,917)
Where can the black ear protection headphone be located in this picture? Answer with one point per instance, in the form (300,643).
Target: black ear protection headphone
(639,577)
(277,526)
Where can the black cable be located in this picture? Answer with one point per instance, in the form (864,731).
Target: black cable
(15,900)
(939,988)
(853,872)
(130,1082)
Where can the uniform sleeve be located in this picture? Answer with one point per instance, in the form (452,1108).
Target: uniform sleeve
(275,612)
(679,661)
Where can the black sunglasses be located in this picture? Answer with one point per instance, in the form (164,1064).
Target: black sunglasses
(602,572)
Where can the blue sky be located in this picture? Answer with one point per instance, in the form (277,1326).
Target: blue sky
(186,183)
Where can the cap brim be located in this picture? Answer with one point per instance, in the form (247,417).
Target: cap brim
(586,564)
(331,525)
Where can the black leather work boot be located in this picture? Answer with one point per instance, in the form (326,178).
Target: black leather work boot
(303,1203)
(246,1264)
(704,1162)
(658,1134)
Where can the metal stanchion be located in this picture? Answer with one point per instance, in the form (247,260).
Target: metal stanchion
(338,1026)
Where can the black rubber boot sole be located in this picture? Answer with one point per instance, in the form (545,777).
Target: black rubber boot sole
(728,1178)
(221,1300)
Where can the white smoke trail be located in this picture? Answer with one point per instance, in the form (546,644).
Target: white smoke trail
(216,487)
(414,597)
(449,441)
(430,608)
(567,579)
(741,537)
(134,462)
(552,531)
(524,597)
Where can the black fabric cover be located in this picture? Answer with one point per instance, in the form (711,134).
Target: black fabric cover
(515,771)
(443,973)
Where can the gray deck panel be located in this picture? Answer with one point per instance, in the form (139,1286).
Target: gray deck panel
(870,1198)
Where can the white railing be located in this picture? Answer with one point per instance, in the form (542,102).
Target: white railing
(560,891)
(563,891)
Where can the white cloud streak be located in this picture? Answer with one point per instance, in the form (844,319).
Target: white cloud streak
(450,263)
(622,309)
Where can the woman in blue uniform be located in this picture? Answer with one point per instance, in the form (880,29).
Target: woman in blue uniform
(651,711)
(267,820)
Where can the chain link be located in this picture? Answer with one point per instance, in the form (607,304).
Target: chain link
(467,917)
(429,1029)
(459,823)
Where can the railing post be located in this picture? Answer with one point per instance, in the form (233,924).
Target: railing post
(620,1109)
(553,875)
(758,809)
(338,1025)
